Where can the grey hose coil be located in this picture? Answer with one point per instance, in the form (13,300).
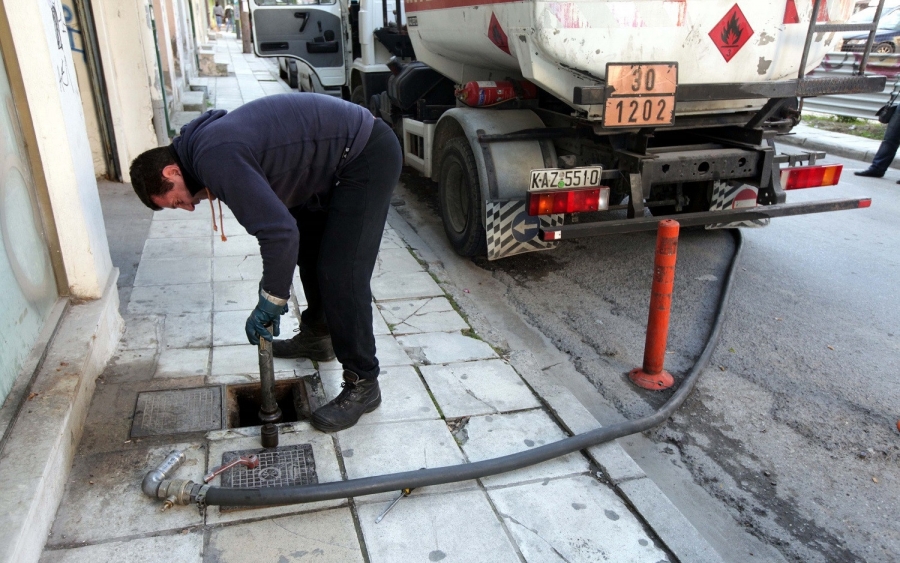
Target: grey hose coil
(273,496)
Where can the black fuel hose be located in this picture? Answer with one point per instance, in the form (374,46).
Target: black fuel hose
(273,496)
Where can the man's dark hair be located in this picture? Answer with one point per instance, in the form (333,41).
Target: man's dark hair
(146,175)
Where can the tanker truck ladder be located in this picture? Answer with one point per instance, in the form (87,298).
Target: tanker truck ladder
(816,27)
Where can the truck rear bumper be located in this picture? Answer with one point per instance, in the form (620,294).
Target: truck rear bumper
(621,226)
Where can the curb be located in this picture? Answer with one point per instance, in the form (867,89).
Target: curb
(834,144)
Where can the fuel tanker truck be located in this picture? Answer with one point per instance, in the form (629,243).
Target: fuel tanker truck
(542,121)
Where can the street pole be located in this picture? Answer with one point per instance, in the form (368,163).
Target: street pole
(245,26)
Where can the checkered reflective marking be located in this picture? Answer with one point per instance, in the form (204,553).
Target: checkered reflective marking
(723,196)
(511,230)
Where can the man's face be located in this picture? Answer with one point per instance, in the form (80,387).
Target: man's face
(179,197)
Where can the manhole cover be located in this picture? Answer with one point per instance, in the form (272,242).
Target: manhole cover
(283,466)
(181,410)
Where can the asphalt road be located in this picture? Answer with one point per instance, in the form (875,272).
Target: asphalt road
(788,448)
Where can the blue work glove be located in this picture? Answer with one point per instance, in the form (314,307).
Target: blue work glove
(268,311)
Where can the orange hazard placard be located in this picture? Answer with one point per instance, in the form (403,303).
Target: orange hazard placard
(636,79)
(640,94)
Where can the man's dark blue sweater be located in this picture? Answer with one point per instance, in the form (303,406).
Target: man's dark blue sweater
(268,156)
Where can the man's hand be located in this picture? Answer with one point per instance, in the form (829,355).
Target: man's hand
(268,311)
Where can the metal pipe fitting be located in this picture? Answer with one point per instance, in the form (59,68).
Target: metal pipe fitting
(269,412)
(155,477)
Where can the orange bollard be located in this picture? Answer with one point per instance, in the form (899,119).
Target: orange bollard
(652,376)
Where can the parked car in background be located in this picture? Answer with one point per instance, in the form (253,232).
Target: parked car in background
(887,38)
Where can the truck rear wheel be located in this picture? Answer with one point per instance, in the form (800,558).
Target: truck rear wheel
(460,199)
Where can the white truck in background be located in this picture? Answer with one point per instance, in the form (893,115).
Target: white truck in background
(548,120)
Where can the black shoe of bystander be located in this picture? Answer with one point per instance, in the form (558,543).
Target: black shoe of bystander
(869,173)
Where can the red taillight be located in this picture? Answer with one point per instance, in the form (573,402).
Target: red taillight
(572,201)
(865,203)
(799,177)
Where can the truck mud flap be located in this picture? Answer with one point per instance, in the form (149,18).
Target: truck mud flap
(733,195)
(511,230)
(579,230)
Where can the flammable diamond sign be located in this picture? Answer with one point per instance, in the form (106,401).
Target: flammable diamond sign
(731,33)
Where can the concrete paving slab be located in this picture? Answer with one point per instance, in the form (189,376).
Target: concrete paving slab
(179,228)
(326,464)
(679,535)
(403,395)
(473,388)
(443,348)
(297,292)
(574,519)
(129,366)
(390,353)
(186,547)
(103,498)
(176,249)
(396,261)
(178,215)
(235,295)
(242,379)
(327,537)
(167,272)
(243,359)
(435,314)
(390,240)
(502,434)
(233,228)
(228,327)
(190,298)
(237,268)
(615,462)
(379,449)
(379,326)
(457,527)
(240,245)
(182,362)
(187,330)
(405,286)
(141,331)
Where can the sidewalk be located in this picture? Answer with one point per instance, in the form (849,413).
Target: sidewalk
(834,144)
(448,398)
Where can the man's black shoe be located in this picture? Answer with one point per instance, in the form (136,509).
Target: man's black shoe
(357,397)
(305,344)
(869,173)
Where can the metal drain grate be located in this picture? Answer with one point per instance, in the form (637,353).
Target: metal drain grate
(283,466)
(182,410)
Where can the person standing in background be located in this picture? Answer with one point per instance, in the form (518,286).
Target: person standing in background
(229,17)
(219,13)
(887,150)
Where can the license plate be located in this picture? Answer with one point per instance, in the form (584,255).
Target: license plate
(559,179)
(640,94)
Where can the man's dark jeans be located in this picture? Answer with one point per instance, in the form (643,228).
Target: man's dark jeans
(339,241)
(888,147)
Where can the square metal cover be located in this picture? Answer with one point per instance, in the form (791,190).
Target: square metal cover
(159,413)
(283,466)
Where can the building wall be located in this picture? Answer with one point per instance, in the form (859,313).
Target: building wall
(79,59)
(125,39)
(43,56)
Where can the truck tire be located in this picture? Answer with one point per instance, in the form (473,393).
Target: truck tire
(293,78)
(459,197)
(358,96)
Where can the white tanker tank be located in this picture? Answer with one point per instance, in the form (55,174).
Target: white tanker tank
(564,45)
